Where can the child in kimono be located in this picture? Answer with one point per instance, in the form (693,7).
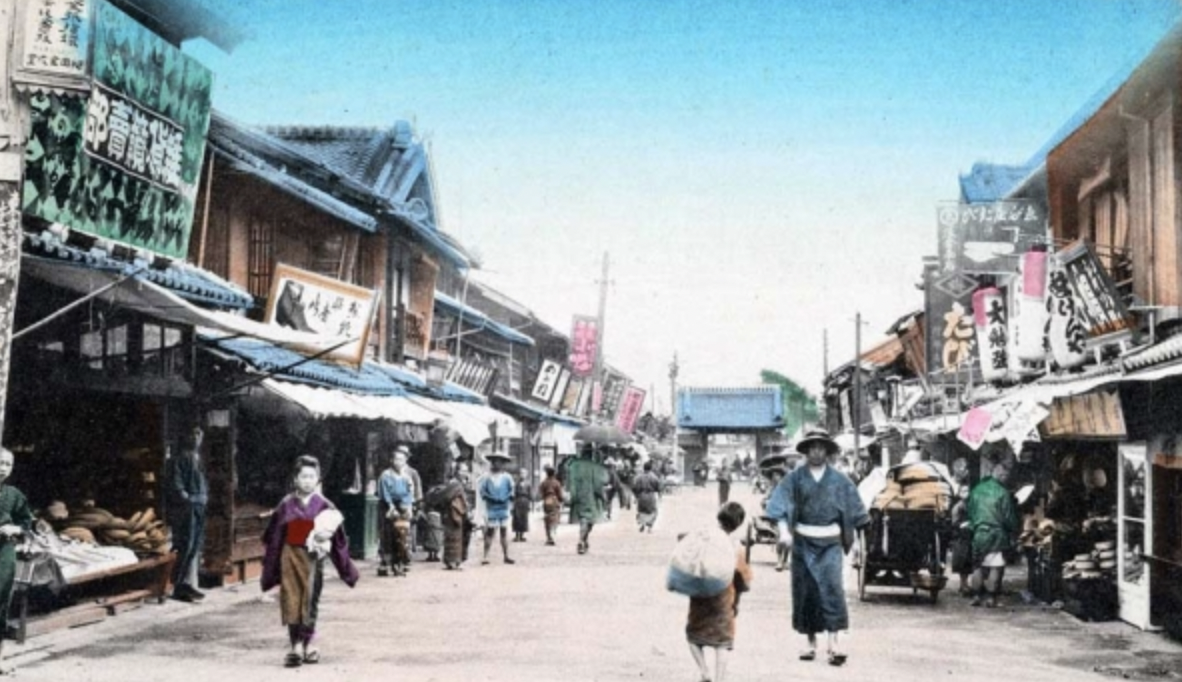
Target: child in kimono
(304,530)
(15,520)
(711,621)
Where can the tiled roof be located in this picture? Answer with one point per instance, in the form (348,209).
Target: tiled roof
(267,357)
(474,318)
(730,408)
(334,170)
(187,281)
(1157,354)
(988,182)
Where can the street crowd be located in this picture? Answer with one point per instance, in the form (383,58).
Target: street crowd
(815,508)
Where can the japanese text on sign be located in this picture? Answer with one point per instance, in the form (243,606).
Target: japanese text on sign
(613,393)
(55,37)
(133,139)
(630,407)
(1097,301)
(547,381)
(584,345)
(341,313)
(988,238)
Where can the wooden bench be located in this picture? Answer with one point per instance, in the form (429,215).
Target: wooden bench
(151,577)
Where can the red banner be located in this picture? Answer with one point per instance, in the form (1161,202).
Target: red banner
(584,345)
(630,408)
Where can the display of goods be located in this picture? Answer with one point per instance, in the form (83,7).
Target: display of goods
(142,533)
(914,473)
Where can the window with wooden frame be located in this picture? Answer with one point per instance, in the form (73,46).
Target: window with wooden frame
(261,259)
(1103,220)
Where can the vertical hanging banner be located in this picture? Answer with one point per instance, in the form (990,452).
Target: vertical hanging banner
(989,315)
(949,341)
(560,390)
(546,382)
(1030,308)
(613,394)
(630,408)
(126,165)
(584,345)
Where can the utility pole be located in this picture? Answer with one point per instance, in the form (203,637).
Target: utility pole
(856,407)
(674,369)
(825,357)
(599,373)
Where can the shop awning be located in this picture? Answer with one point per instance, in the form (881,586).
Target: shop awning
(187,281)
(562,437)
(473,318)
(524,410)
(154,300)
(473,422)
(324,403)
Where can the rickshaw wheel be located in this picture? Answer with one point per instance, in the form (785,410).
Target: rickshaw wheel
(864,566)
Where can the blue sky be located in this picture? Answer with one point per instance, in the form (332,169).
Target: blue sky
(758,171)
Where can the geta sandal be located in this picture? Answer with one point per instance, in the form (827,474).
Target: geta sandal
(311,656)
(808,655)
(836,659)
(292,660)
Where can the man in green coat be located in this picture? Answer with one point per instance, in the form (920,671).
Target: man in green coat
(586,479)
(993,520)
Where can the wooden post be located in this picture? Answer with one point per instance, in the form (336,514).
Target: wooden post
(12,116)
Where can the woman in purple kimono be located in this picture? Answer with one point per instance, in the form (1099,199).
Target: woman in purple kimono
(304,530)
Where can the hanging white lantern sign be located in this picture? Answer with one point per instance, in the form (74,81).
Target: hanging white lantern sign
(1065,333)
(989,317)
(1030,308)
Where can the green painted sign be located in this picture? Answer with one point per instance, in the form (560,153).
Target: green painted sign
(123,163)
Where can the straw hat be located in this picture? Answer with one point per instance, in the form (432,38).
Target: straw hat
(499,455)
(817,436)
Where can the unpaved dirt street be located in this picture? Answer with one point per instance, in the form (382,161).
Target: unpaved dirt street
(603,616)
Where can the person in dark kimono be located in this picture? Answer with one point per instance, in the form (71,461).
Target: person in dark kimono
(522,505)
(187,492)
(550,490)
(724,483)
(648,495)
(587,481)
(304,530)
(993,521)
(455,512)
(15,520)
(817,511)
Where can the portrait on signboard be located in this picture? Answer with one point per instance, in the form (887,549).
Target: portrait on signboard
(307,302)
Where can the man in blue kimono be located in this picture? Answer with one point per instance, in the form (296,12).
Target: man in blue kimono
(817,511)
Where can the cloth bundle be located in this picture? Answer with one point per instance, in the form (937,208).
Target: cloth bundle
(915,486)
(702,564)
(325,525)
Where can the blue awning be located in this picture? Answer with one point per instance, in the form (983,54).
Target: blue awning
(474,318)
(184,280)
(531,412)
(267,357)
(415,383)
